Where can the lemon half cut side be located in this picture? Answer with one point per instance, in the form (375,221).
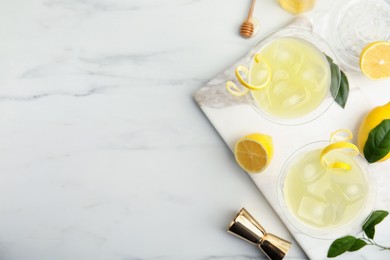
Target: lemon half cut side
(375,60)
(254,152)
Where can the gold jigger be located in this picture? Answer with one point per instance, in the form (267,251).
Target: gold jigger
(246,227)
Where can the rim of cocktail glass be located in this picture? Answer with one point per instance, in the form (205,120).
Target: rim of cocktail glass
(352,226)
(312,38)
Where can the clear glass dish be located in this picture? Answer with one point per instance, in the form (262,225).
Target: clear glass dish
(348,226)
(354,24)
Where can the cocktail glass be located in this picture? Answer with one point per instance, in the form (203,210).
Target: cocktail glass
(292,65)
(321,201)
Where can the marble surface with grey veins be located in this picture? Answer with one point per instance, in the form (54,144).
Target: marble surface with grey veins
(103,152)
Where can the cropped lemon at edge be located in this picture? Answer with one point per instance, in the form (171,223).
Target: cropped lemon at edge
(373,118)
(254,152)
(375,60)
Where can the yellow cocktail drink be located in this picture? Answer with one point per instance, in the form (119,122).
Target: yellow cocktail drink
(300,78)
(324,197)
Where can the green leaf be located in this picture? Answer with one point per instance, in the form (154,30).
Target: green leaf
(341,245)
(330,60)
(370,231)
(375,218)
(359,243)
(334,78)
(339,86)
(342,95)
(378,142)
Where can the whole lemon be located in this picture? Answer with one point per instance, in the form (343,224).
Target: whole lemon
(372,119)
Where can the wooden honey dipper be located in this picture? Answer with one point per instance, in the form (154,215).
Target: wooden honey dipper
(247,26)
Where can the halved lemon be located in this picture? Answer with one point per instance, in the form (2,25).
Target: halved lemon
(375,60)
(254,152)
(342,145)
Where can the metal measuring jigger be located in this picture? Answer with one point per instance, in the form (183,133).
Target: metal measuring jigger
(246,227)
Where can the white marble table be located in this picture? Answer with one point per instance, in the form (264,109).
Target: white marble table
(104,154)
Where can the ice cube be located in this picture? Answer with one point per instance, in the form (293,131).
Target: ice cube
(279,75)
(259,76)
(328,217)
(298,62)
(311,172)
(309,75)
(283,55)
(296,99)
(280,88)
(337,206)
(319,187)
(351,191)
(316,75)
(312,210)
(289,55)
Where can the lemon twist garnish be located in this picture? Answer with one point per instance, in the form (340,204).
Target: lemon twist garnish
(341,145)
(238,92)
(235,90)
(341,135)
(241,69)
(257,58)
(244,70)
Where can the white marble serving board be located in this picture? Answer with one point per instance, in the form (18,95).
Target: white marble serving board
(234,118)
